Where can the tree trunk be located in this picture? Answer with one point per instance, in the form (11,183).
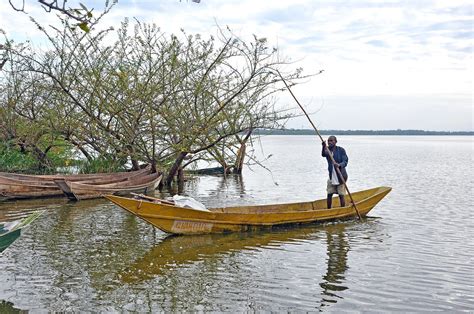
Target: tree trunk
(44,162)
(174,169)
(135,165)
(180,179)
(239,162)
(180,174)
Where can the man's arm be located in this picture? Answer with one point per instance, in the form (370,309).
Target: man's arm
(323,152)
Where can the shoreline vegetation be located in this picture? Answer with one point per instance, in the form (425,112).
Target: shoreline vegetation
(359,132)
(110,99)
(102,101)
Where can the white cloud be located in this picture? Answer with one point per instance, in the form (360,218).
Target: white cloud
(416,52)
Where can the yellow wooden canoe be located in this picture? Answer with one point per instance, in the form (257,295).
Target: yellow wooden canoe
(180,220)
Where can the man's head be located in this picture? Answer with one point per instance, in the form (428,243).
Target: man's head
(332,140)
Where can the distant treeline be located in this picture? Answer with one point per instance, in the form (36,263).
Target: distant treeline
(358,132)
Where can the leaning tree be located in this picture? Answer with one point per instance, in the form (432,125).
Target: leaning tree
(139,95)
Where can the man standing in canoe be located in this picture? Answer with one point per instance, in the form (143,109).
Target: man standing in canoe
(335,183)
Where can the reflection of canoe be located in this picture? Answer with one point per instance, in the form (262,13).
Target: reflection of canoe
(19,186)
(80,190)
(179,220)
(10,231)
(175,251)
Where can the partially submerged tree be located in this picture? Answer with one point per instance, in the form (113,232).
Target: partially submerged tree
(144,96)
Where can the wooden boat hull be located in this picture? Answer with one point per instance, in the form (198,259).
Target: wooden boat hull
(179,220)
(19,186)
(17,189)
(89,177)
(81,191)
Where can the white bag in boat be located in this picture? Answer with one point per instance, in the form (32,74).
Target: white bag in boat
(186,201)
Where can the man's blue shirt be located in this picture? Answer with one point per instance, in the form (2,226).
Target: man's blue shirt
(340,157)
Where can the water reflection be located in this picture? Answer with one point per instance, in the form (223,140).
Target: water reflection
(337,249)
(13,210)
(176,252)
(93,251)
(87,239)
(212,190)
(94,257)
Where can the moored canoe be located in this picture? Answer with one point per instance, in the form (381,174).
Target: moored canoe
(180,220)
(19,186)
(81,191)
(89,177)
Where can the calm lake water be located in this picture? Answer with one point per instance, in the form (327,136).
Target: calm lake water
(415,252)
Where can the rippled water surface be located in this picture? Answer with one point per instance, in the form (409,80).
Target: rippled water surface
(414,253)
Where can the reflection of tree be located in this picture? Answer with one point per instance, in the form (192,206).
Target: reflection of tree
(81,242)
(220,189)
(337,249)
(231,182)
(229,186)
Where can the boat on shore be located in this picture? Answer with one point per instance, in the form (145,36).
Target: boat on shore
(182,220)
(11,188)
(88,177)
(22,186)
(82,190)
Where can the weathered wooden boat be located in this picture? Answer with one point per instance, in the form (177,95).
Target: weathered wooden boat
(80,191)
(10,231)
(17,189)
(18,186)
(179,220)
(89,177)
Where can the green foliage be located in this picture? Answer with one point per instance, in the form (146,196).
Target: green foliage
(12,160)
(100,164)
(142,96)
(61,155)
(84,27)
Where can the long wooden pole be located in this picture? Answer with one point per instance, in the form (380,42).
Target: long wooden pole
(327,149)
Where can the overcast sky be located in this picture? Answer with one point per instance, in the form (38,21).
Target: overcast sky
(388,64)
